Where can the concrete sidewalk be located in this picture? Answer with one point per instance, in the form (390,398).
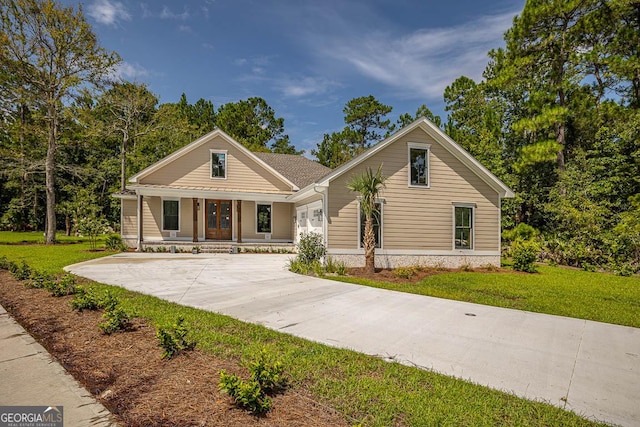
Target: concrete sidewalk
(30,377)
(587,367)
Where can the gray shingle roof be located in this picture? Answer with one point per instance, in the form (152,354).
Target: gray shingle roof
(297,169)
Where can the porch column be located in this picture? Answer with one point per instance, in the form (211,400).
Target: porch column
(140,223)
(195,219)
(239,213)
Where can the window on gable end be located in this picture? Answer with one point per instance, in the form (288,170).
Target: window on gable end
(218,164)
(419,165)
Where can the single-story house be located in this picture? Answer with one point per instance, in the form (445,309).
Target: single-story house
(440,206)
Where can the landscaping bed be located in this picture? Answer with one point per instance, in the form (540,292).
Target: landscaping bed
(126,373)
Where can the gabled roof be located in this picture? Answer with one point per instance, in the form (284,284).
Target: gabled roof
(203,140)
(297,169)
(439,136)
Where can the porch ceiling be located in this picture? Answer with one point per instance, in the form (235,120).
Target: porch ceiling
(203,193)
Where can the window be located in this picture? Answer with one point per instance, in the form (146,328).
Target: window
(170,215)
(377,226)
(218,164)
(463,234)
(263,218)
(418,165)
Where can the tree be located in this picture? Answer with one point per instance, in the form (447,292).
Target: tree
(336,148)
(52,51)
(368,184)
(406,119)
(126,111)
(254,124)
(366,116)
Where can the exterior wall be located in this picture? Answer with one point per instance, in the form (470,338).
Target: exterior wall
(193,170)
(417,220)
(129,222)
(152,220)
(281,219)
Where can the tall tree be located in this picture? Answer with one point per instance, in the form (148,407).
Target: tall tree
(126,112)
(406,119)
(337,148)
(252,122)
(368,184)
(52,51)
(366,116)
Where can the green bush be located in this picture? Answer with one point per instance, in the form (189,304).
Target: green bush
(20,271)
(40,280)
(267,372)
(114,243)
(66,285)
(5,263)
(405,272)
(85,299)
(525,254)
(174,340)
(116,318)
(311,247)
(520,232)
(336,267)
(247,394)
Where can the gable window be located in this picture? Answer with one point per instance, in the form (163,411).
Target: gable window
(419,165)
(218,164)
(463,230)
(170,215)
(377,226)
(263,218)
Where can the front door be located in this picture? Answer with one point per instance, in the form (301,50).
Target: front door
(218,219)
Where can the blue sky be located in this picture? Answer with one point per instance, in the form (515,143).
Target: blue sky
(305,58)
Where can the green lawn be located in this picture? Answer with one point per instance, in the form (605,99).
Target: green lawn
(364,388)
(30,247)
(554,290)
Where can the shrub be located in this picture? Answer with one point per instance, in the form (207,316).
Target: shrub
(174,340)
(40,280)
(66,285)
(525,254)
(311,247)
(267,372)
(337,267)
(116,318)
(85,299)
(21,271)
(247,394)
(92,227)
(114,243)
(405,272)
(520,232)
(5,263)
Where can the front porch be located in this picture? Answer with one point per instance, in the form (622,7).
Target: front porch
(212,247)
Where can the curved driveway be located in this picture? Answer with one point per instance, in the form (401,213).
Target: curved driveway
(594,366)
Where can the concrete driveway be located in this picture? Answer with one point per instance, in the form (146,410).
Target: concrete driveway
(587,367)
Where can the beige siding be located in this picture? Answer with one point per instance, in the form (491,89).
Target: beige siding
(152,219)
(193,170)
(281,219)
(129,217)
(417,218)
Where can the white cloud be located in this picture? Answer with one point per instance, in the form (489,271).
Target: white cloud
(168,14)
(305,87)
(420,64)
(128,71)
(108,12)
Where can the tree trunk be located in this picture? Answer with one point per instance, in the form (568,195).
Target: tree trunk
(123,162)
(49,168)
(369,246)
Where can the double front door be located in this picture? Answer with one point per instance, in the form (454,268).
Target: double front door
(219,219)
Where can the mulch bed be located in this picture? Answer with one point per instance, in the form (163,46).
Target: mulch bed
(389,276)
(126,373)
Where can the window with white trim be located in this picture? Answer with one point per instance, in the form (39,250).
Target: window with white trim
(463,229)
(170,215)
(419,165)
(377,226)
(218,164)
(263,217)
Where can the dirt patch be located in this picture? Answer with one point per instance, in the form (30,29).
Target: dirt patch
(126,373)
(416,274)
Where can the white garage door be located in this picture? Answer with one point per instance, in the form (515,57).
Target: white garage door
(309,218)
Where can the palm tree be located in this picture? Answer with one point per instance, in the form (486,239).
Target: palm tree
(368,184)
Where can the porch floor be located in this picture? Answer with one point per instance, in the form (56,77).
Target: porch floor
(218,246)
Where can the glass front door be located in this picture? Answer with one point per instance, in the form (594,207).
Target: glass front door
(219,219)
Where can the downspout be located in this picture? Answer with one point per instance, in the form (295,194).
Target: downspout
(139,218)
(325,216)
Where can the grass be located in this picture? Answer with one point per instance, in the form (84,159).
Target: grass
(50,259)
(561,291)
(364,388)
